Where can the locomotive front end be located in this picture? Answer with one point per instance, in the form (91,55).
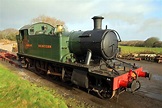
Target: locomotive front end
(101,43)
(97,49)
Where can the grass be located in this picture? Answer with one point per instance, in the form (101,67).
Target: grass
(131,49)
(16,92)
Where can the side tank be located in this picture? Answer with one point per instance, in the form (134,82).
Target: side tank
(102,43)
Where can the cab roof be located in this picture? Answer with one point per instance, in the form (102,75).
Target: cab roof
(35,24)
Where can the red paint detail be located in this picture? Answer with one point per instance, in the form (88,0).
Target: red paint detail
(120,81)
(125,79)
(140,72)
(123,83)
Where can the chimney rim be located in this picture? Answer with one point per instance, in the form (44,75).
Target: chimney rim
(98,17)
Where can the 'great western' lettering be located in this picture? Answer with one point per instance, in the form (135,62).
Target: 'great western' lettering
(44,46)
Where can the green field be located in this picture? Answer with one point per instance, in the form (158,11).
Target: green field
(131,49)
(18,93)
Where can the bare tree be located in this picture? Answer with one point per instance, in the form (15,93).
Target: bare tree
(47,19)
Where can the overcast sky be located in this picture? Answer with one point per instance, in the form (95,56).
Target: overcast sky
(133,19)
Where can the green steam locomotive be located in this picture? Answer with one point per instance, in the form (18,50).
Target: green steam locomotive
(84,58)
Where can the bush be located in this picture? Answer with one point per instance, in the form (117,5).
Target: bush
(132,43)
(157,44)
(9,34)
(150,41)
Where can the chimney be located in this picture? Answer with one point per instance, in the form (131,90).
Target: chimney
(97,22)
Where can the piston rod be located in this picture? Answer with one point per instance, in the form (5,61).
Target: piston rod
(88,57)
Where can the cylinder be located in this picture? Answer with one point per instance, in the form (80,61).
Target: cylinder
(97,22)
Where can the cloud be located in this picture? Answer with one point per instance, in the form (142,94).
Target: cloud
(150,24)
(132,18)
(131,11)
(151,27)
(124,17)
(72,11)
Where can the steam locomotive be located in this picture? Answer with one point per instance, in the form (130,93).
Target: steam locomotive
(84,58)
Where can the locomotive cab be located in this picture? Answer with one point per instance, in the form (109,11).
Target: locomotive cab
(43,41)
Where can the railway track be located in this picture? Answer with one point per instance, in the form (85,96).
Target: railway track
(9,57)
